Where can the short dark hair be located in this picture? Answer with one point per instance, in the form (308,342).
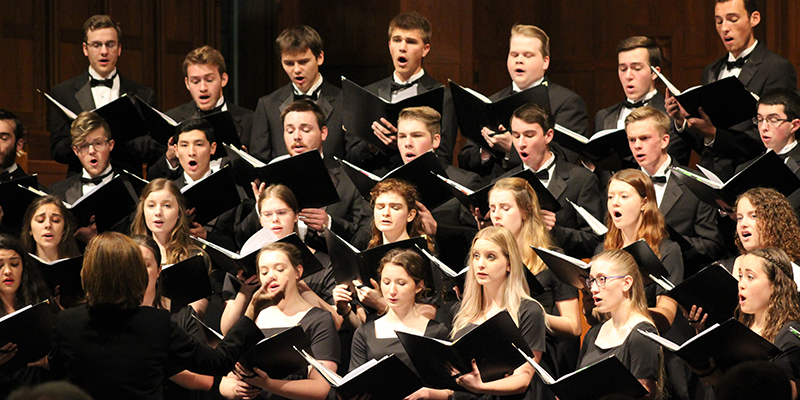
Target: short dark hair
(304,106)
(642,42)
(195,124)
(533,113)
(750,6)
(789,99)
(411,21)
(19,129)
(96,22)
(298,39)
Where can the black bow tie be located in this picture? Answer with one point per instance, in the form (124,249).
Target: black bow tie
(312,97)
(783,158)
(659,180)
(109,83)
(630,105)
(739,63)
(201,113)
(544,174)
(96,180)
(402,86)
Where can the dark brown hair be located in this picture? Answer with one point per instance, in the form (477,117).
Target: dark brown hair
(114,274)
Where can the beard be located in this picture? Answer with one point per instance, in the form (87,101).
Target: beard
(8,158)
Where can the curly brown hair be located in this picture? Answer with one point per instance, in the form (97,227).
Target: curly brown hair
(410,195)
(784,304)
(653,228)
(777,222)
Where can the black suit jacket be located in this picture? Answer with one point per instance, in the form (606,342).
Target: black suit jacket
(18,173)
(381,164)
(129,354)
(569,110)
(607,119)
(67,190)
(76,95)
(764,70)
(266,137)
(242,117)
(693,219)
(579,185)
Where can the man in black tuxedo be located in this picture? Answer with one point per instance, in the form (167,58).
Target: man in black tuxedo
(722,148)
(305,130)
(98,86)
(778,120)
(12,137)
(532,130)
(301,55)
(528,61)
(205,77)
(647,129)
(409,44)
(635,56)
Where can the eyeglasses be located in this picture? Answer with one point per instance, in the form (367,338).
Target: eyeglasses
(111,45)
(772,121)
(280,213)
(601,280)
(99,145)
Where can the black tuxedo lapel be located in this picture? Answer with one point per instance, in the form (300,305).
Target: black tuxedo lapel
(611,118)
(180,181)
(288,99)
(672,193)
(713,72)
(793,160)
(74,192)
(750,68)
(325,105)
(385,91)
(84,97)
(559,181)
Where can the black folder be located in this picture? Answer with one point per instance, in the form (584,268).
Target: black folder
(726,102)
(387,379)
(310,262)
(362,108)
(719,303)
(421,172)
(474,113)
(603,378)
(491,344)
(31,329)
(276,355)
(729,343)
(767,171)
(110,203)
(601,145)
(480,197)
(15,199)
(245,259)
(648,262)
(63,277)
(161,126)
(186,281)
(212,195)
(568,270)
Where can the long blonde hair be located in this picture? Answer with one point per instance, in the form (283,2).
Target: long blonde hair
(653,228)
(515,288)
(534,232)
(180,245)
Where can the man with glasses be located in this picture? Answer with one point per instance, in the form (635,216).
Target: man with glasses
(98,86)
(777,120)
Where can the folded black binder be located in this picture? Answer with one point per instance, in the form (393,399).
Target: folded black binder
(387,378)
(649,264)
(277,354)
(729,343)
(15,199)
(362,108)
(480,197)
(726,102)
(109,202)
(351,264)
(245,259)
(31,329)
(568,270)
(767,171)
(491,344)
(719,303)
(421,172)
(305,174)
(475,111)
(63,277)
(212,195)
(603,378)
(186,281)
(601,145)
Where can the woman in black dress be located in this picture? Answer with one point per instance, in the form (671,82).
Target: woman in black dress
(279,270)
(402,283)
(617,292)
